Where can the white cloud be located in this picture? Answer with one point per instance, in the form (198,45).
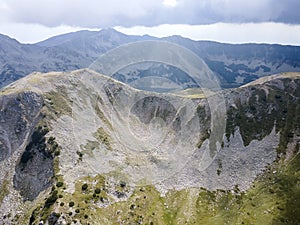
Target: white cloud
(222,32)
(237,9)
(170,3)
(32,33)
(225,32)
(221,20)
(93,13)
(103,13)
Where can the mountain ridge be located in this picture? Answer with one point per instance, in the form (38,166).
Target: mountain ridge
(72,129)
(234,65)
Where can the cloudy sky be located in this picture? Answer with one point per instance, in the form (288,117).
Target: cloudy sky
(233,21)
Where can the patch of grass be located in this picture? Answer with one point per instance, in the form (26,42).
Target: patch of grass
(57,103)
(192,93)
(4,190)
(101,115)
(89,146)
(258,205)
(103,137)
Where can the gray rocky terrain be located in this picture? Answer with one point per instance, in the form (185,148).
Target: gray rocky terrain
(62,129)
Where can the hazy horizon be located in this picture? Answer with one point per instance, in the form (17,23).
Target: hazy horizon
(232,21)
(183,30)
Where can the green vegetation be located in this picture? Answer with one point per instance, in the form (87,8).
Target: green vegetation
(84,187)
(100,114)
(219,170)
(280,108)
(57,104)
(37,142)
(204,119)
(88,148)
(203,137)
(51,199)
(192,93)
(273,199)
(3,190)
(59,184)
(49,148)
(103,137)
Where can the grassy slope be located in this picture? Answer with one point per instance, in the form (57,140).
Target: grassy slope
(274,198)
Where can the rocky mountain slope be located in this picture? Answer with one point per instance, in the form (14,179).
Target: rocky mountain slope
(82,148)
(233,64)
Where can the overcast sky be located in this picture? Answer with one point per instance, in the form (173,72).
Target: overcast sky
(234,21)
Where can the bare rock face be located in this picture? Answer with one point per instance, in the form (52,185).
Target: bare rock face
(156,107)
(17,116)
(34,169)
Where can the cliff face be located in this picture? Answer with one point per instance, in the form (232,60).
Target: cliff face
(82,146)
(25,166)
(19,113)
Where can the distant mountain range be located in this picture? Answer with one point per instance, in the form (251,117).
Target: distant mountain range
(234,64)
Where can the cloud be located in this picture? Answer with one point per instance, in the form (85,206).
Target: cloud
(93,13)
(32,33)
(225,32)
(100,13)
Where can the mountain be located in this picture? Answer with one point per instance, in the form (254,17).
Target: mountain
(18,60)
(13,59)
(80,147)
(90,44)
(235,65)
